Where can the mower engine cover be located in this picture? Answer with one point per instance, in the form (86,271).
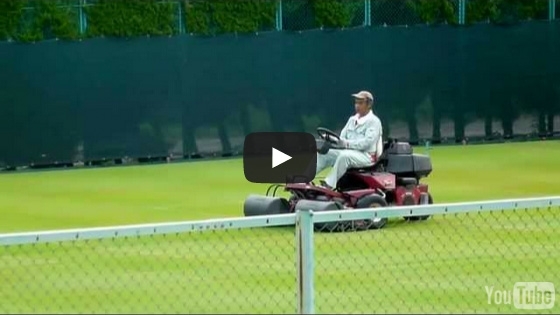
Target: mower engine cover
(402,162)
(409,165)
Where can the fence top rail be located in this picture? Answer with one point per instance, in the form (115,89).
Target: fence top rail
(270,220)
(145,229)
(434,209)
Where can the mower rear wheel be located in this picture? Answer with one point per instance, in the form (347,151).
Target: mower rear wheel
(422,217)
(430,201)
(373,201)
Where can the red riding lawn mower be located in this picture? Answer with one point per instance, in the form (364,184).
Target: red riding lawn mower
(393,180)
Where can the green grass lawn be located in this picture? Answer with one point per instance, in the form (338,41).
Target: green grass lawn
(170,192)
(440,265)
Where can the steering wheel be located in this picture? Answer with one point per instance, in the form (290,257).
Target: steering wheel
(328,135)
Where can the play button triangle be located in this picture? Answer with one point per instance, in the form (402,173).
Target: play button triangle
(279,157)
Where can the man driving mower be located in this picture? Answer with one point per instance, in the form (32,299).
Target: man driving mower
(359,143)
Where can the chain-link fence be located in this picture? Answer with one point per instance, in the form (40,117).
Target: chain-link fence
(249,270)
(493,256)
(453,262)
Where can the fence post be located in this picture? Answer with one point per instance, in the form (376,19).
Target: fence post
(180,13)
(551,9)
(82,3)
(367,12)
(462,9)
(279,15)
(305,263)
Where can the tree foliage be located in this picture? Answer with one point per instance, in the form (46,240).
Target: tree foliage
(127,18)
(504,11)
(35,20)
(226,16)
(435,11)
(46,19)
(335,13)
(10,17)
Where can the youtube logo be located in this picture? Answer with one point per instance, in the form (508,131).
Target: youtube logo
(279,157)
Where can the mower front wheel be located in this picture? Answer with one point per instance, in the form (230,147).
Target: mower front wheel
(373,201)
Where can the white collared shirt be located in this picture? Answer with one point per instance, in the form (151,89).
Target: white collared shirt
(363,133)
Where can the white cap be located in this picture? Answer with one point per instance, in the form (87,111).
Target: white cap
(363,95)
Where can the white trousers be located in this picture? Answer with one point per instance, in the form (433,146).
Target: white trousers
(341,160)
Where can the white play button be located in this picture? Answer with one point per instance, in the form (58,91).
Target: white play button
(279,157)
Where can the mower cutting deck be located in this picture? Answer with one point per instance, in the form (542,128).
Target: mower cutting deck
(394,180)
